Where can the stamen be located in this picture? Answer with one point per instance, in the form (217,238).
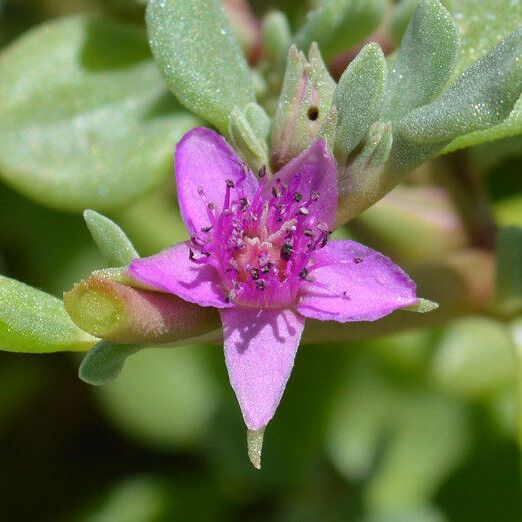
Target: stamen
(314,196)
(262,172)
(260,284)
(286,251)
(297,197)
(303,211)
(230,183)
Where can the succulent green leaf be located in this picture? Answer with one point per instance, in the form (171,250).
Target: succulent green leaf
(258,120)
(480,34)
(337,25)
(200,57)
(110,239)
(85,120)
(482,97)
(509,269)
(425,60)
(105,361)
(33,321)
(304,106)
(358,99)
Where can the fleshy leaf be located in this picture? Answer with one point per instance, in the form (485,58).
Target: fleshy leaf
(358,99)
(33,321)
(105,362)
(303,109)
(425,60)
(200,57)
(110,239)
(276,37)
(98,131)
(480,34)
(482,97)
(337,25)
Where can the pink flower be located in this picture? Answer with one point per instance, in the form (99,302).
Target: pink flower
(260,253)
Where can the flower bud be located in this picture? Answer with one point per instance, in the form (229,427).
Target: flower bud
(113,311)
(304,111)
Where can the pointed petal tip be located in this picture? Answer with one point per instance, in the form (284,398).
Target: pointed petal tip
(255,446)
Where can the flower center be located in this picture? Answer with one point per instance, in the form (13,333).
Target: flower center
(261,246)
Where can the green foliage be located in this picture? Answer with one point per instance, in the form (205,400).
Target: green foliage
(199,57)
(85,120)
(482,97)
(358,99)
(105,361)
(337,25)
(35,322)
(110,239)
(480,33)
(425,60)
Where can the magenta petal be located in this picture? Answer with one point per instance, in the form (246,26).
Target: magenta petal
(316,170)
(260,347)
(357,284)
(203,163)
(173,272)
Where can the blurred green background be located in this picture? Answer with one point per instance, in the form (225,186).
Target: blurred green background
(419,426)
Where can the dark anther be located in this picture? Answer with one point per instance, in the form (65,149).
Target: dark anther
(206,229)
(255,274)
(262,172)
(303,211)
(243,204)
(211,206)
(260,284)
(308,232)
(286,251)
(231,295)
(191,255)
(275,192)
(314,196)
(266,268)
(200,190)
(357,260)
(230,183)
(197,241)
(303,274)
(297,197)
(313,113)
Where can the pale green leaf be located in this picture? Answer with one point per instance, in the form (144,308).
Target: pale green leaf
(425,60)
(110,239)
(32,321)
(85,119)
(480,33)
(358,99)
(479,99)
(200,57)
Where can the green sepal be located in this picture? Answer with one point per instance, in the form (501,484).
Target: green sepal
(33,321)
(425,60)
(246,139)
(105,361)
(200,57)
(509,270)
(482,97)
(365,180)
(337,25)
(423,306)
(358,99)
(303,107)
(115,246)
